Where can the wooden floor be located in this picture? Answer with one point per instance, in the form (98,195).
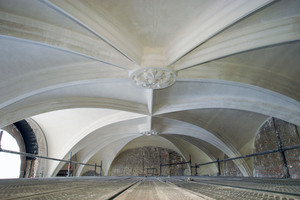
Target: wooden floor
(140,188)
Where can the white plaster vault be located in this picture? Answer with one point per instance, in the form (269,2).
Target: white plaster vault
(211,73)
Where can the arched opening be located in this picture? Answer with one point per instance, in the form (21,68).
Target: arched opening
(30,139)
(145,161)
(10,163)
(276,134)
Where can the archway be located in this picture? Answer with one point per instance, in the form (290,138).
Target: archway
(10,163)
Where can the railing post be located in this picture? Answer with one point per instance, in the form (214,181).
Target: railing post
(143,164)
(69,165)
(219,168)
(190,164)
(196,171)
(101,169)
(160,164)
(1,133)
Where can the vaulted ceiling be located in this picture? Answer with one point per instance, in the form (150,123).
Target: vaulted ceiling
(196,76)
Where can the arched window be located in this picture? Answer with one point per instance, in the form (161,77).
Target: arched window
(10,163)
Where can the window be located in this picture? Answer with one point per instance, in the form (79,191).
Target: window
(9,163)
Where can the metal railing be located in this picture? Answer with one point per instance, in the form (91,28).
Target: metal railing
(54,159)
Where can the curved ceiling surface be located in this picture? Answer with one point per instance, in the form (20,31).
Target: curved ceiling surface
(73,66)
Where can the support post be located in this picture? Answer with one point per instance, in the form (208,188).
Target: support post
(196,171)
(219,168)
(101,169)
(160,164)
(281,150)
(69,165)
(1,133)
(190,164)
(95,174)
(143,164)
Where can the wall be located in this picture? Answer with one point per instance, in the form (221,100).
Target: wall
(230,169)
(176,170)
(271,165)
(146,161)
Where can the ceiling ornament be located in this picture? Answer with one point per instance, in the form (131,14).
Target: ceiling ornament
(153,78)
(149,133)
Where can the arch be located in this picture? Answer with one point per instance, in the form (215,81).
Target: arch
(41,164)
(10,163)
(179,128)
(109,154)
(157,141)
(14,132)
(30,139)
(227,94)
